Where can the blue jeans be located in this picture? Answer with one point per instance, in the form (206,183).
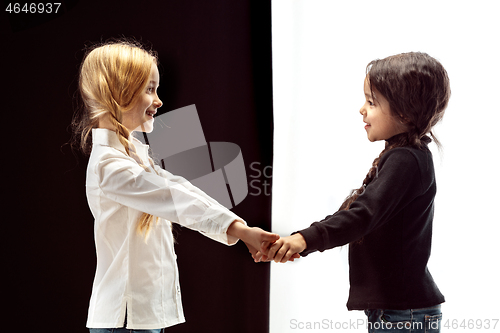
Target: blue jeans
(426,320)
(122,330)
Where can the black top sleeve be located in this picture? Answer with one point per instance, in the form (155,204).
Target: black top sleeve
(397,182)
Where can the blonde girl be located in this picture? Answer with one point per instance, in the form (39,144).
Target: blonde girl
(133,201)
(387,222)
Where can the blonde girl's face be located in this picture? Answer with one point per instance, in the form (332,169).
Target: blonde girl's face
(379,123)
(140,117)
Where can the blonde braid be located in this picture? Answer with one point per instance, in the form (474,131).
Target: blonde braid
(146,220)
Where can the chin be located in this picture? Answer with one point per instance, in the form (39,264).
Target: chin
(146,127)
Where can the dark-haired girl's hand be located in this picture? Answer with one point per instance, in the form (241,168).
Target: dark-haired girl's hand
(285,249)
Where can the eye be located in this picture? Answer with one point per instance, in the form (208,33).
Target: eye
(150,90)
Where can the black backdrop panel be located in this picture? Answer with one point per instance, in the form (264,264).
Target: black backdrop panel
(215,54)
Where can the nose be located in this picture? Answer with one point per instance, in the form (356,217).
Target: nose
(362,111)
(157,103)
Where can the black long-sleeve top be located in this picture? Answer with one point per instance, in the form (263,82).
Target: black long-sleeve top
(389,228)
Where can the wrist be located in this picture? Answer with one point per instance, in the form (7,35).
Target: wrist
(301,241)
(237,229)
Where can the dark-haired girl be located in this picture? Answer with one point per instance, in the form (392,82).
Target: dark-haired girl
(387,222)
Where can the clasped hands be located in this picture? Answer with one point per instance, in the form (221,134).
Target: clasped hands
(281,250)
(265,246)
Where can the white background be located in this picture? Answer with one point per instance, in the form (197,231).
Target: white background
(320,51)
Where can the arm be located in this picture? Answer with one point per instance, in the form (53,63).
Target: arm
(253,237)
(398,183)
(184,182)
(124,181)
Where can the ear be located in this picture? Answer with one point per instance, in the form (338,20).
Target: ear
(403,120)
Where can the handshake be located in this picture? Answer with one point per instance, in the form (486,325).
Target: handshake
(265,246)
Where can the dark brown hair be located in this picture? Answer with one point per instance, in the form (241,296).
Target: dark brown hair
(417,89)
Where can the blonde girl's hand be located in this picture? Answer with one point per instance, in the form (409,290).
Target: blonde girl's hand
(259,257)
(285,249)
(253,237)
(253,251)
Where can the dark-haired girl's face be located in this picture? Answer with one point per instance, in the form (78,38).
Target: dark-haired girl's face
(376,112)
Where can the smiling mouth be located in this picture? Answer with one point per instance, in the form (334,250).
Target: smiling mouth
(150,113)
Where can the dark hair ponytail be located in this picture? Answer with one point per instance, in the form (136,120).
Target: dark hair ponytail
(417,88)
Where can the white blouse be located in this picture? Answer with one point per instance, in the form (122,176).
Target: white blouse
(134,275)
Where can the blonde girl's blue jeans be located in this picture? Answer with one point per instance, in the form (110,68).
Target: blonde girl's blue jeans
(425,320)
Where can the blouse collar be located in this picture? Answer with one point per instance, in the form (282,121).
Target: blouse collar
(106,137)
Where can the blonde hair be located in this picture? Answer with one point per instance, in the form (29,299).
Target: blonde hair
(112,77)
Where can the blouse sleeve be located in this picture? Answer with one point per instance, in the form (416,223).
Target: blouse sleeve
(397,183)
(184,182)
(122,180)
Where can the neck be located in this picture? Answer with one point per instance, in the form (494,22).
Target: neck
(397,137)
(104,122)
(403,139)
